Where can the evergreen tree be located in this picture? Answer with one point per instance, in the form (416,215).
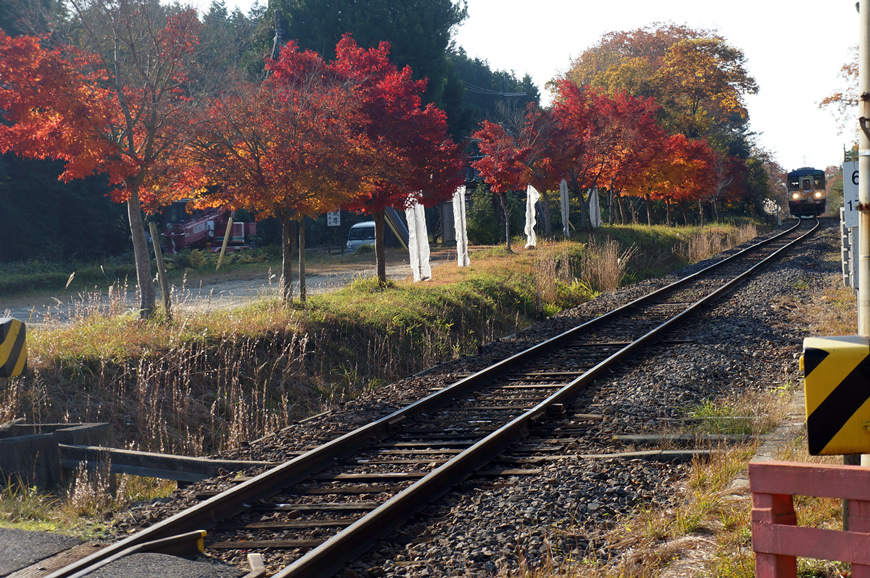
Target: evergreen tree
(419,31)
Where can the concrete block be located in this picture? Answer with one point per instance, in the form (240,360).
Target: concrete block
(32,459)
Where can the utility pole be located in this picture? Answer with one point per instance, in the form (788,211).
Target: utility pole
(864,171)
(863,201)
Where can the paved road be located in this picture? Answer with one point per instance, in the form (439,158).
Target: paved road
(38,311)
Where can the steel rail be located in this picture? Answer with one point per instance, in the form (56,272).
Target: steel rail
(272,481)
(332,555)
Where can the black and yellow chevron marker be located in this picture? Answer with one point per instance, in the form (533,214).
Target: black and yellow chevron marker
(13,347)
(837,391)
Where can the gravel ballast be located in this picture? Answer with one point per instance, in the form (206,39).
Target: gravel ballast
(748,342)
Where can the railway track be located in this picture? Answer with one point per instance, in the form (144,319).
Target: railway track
(325,507)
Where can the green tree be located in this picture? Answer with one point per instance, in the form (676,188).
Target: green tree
(227,48)
(43,218)
(419,31)
(19,17)
(483,227)
(486,94)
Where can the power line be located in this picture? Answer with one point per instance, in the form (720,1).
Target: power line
(480,90)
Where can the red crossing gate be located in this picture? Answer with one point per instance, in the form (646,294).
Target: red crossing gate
(777,539)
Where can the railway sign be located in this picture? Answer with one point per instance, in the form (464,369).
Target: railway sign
(333,219)
(836,378)
(850,193)
(13,347)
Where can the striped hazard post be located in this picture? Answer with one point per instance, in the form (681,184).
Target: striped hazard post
(837,392)
(13,347)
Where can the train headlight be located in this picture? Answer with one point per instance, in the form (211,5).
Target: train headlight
(818,195)
(795,195)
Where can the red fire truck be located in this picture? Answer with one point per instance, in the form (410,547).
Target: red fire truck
(203,230)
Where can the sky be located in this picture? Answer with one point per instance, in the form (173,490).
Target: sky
(794,49)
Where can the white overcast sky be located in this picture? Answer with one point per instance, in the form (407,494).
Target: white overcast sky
(794,49)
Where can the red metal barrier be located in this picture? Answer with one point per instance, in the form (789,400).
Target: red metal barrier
(777,539)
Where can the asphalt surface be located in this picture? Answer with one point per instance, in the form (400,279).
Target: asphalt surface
(19,549)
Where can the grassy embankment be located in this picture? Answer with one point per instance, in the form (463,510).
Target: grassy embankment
(205,382)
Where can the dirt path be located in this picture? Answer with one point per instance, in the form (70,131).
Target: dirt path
(203,296)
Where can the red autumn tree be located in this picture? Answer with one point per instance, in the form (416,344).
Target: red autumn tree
(636,139)
(291,147)
(120,108)
(689,171)
(416,159)
(584,141)
(515,156)
(728,182)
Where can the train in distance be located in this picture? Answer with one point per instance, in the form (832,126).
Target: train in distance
(806,192)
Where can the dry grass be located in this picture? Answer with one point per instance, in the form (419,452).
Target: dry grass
(753,413)
(81,509)
(604,266)
(703,243)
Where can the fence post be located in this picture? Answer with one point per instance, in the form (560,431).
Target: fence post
(859,521)
(773,509)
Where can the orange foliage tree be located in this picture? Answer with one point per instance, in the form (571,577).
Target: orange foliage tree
(291,147)
(697,78)
(680,171)
(636,139)
(121,108)
(842,103)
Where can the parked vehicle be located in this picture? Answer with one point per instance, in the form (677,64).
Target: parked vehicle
(359,235)
(203,230)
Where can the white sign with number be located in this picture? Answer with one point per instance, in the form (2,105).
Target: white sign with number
(850,193)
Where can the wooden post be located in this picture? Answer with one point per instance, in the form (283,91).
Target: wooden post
(773,509)
(302,291)
(227,234)
(859,521)
(161,270)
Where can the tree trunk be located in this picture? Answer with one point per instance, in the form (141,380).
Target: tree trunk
(161,270)
(140,255)
(667,211)
(585,223)
(286,258)
(380,252)
(301,227)
(610,215)
(505,209)
(548,222)
(648,211)
(623,216)
(701,211)
(685,213)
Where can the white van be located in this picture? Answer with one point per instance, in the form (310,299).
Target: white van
(359,235)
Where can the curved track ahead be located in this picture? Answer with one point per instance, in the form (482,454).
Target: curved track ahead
(327,506)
